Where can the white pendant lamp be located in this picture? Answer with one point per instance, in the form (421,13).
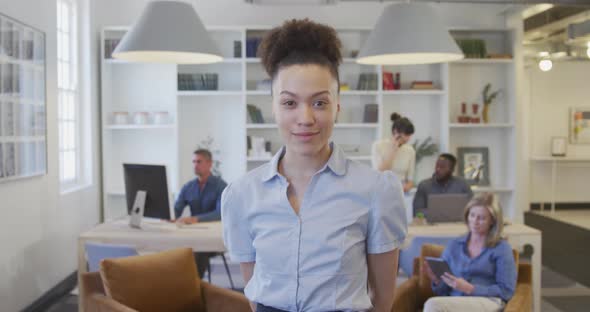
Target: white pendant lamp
(168,32)
(409,33)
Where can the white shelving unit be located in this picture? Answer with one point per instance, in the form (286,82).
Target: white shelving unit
(223,115)
(467,79)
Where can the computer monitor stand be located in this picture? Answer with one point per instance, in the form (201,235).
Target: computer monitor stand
(137,210)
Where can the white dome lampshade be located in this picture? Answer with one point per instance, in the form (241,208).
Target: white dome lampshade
(168,32)
(409,33)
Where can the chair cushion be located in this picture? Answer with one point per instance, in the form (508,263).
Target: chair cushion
(165,281)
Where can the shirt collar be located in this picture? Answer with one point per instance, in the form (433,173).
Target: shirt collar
(336,163)
(463,239)
(449,181)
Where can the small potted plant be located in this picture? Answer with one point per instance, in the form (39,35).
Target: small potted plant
(487,101)
(424,148)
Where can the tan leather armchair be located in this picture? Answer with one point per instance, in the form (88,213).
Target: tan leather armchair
(165,281)
(411,295)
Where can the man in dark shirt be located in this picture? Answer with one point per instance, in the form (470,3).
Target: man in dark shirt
(203,196)
(442,182)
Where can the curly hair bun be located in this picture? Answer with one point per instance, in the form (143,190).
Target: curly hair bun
(395,116)
(300,42)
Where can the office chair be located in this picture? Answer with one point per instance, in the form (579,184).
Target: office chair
(231,282)
(96,252)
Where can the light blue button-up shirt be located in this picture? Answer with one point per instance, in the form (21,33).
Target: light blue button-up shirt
(314,261)
(492,272)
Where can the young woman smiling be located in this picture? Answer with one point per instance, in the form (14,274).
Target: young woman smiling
(312,230)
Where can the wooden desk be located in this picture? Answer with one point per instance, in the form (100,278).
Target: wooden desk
(518,236)
(153,237)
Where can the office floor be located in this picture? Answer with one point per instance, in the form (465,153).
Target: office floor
(560,294)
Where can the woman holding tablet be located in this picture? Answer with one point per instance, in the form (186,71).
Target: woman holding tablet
(483,270)
(312,230)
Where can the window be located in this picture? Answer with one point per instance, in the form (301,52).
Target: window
(68,95)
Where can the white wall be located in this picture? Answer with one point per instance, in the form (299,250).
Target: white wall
(551,95)
(38,227)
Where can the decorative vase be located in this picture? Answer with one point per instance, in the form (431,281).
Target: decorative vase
(485,112)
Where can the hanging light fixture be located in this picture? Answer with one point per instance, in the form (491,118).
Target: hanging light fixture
(545,64)
(168,32)
(409,33)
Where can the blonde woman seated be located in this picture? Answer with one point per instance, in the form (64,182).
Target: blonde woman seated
(482,263)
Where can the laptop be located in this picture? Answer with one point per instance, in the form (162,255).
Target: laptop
(446,207)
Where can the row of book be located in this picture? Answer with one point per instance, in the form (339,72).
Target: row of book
(192,82)
(252,44)
(254,114)
(391,83)
(367,81)
(422,85)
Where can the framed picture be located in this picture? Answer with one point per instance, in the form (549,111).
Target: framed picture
(22,101)
(579,125)
(474,165)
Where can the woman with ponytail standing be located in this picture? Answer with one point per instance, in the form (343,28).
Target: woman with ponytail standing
(395,154)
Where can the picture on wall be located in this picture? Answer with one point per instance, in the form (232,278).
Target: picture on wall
(580,125)
(22,100)
(474,165)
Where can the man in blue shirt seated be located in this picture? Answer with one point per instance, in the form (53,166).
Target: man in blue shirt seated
(203,196)
(441,182)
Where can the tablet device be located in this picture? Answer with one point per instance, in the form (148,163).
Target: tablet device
(438,265)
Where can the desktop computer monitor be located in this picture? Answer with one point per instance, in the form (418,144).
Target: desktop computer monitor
(152,180)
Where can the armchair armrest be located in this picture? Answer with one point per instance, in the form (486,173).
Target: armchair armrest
(405,296)
(100,303)
(224,300)
(525,273)
(522,299)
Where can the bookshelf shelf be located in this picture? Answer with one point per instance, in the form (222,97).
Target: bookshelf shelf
(258,159)
(414,92)
(261,126)
(360,158)
(209,93)
(349,60)
(481,126)
(356,125)
(138,127)
(258,92)
(484,61)
(359,92)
